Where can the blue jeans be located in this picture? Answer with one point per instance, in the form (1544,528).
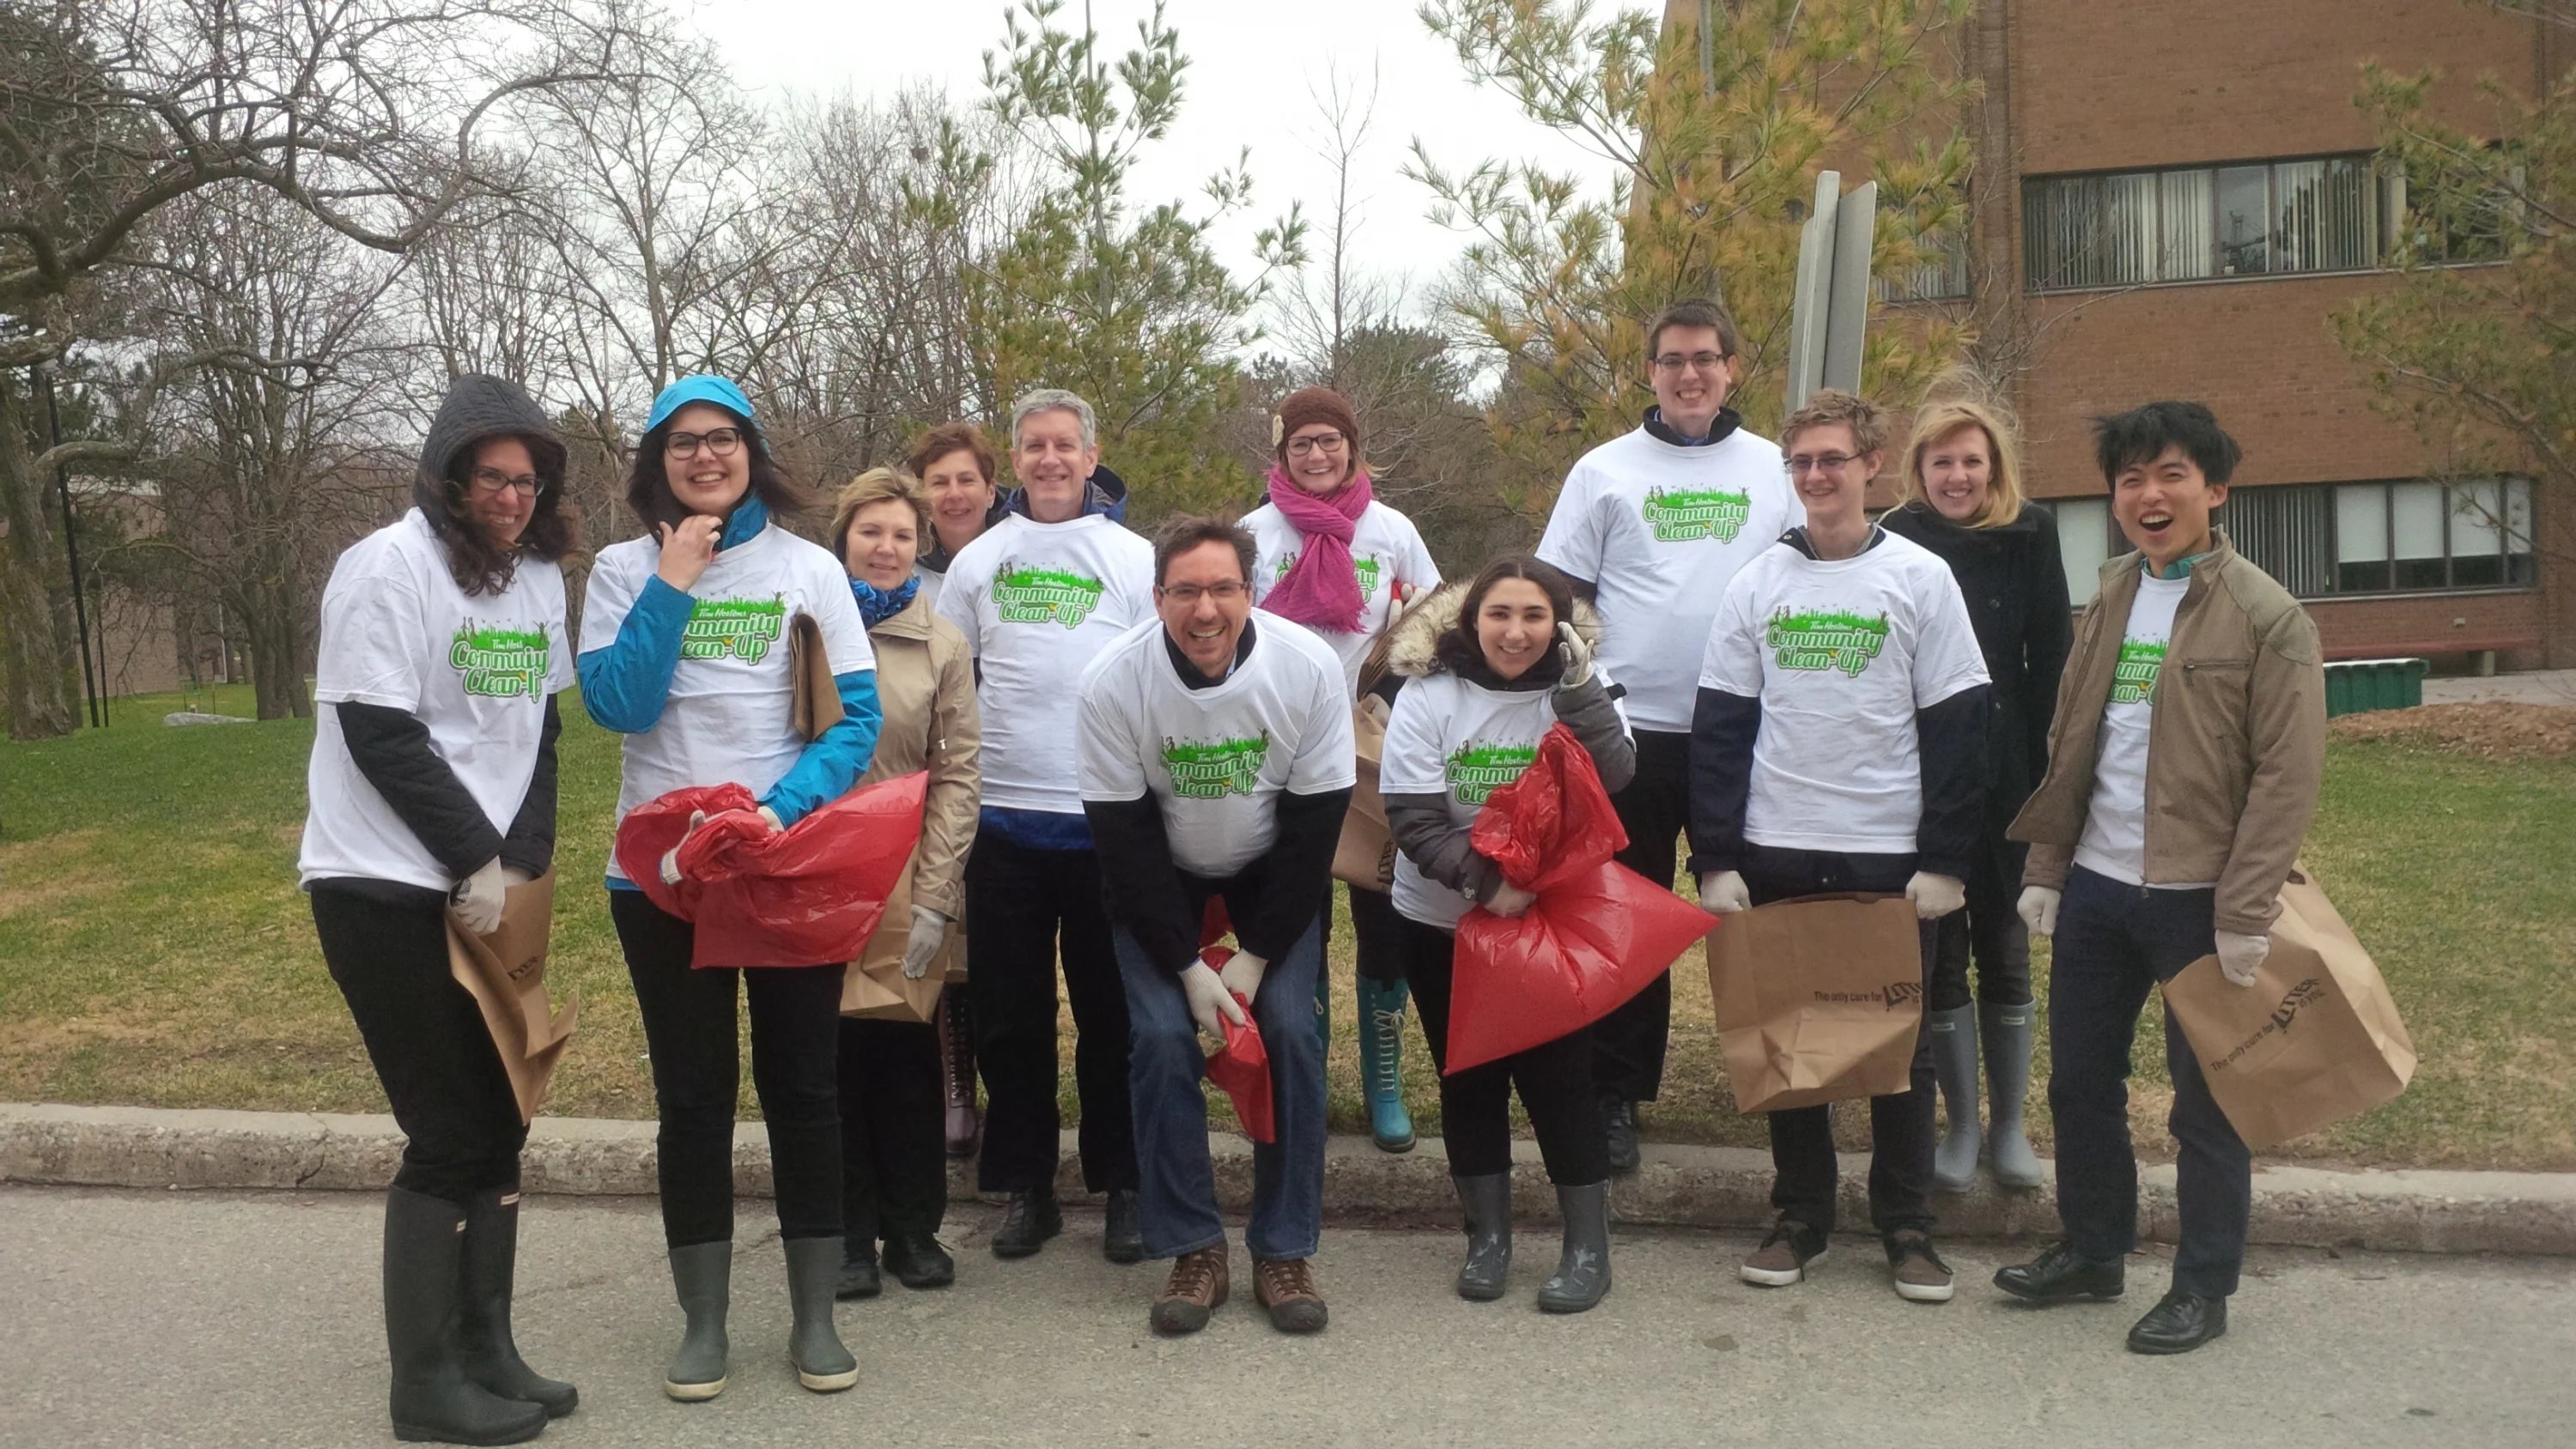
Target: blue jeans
(1165,1065)
(2114,943)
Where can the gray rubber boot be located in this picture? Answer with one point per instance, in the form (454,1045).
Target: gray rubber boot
(1582,1276)
(433,1401)
(813,1343)
(1953,1035)
(1487,1203)
(488,1274)
(2008,1032)
(702,1276)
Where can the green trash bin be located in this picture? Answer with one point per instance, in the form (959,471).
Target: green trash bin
(2358,686)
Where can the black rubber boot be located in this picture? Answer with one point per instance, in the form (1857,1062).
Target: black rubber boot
(433,1401)
(487,1275)
(1582,1276)
(813,1343)
(702,1277)
(1487,1203)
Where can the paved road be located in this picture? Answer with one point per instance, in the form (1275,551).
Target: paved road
(198,1319)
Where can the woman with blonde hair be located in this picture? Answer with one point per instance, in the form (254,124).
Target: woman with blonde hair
(1963,499)
(894,1172)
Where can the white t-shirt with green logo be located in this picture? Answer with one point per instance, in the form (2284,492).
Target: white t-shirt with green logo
(1462,741)
(1215,759)
(2115,823)
(1663,529)
(730,715)
(1387,554)
(1842,655)
(398,632)
(1037,603)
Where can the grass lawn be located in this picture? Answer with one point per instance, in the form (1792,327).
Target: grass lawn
(153,949)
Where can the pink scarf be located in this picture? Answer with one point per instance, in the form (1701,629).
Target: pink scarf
(1322,589)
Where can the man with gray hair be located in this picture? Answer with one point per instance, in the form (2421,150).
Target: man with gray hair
(1038,596)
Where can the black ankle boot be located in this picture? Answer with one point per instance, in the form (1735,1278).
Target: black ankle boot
(1031,1218)
(917,1261)
(433,1401)
(859,1275)
(486,1275)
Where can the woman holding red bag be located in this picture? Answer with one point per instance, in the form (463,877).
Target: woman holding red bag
(1489,669)
(685,652)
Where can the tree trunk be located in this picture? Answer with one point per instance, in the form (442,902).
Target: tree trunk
(39,703)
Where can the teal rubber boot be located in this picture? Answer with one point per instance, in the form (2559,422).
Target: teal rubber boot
(1381,1014)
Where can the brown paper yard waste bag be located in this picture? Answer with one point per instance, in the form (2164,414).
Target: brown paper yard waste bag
(875,985)
(1365,857)
(506,971)
(815,699)
(1818,999)
(2314,1040)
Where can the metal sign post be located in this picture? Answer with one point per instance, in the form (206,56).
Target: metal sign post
(1829,313)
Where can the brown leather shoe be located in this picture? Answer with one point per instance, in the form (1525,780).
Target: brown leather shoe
(1286,1287)
(1196,1288)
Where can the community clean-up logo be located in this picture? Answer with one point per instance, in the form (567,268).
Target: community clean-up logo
(1477,771)
(1204,771)
(1821,640)
(501,663)
(1364,566)
(1679,515)
(1027,594)
(2133,679)
(743,628)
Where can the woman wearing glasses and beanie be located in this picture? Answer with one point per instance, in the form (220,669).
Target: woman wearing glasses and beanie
(1341,563)
(432,788)
(685,652)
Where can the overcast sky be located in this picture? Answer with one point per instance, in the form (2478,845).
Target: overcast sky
(1254,69)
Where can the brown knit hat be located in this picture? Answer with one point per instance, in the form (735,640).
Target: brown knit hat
(1308,405)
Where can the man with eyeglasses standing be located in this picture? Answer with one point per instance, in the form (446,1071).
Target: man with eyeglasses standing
(1217,763)
(1038,596)
(1652,526)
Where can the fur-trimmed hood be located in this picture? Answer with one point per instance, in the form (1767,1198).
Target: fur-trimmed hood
(1412,646)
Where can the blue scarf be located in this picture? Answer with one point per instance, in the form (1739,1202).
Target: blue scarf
(876,605)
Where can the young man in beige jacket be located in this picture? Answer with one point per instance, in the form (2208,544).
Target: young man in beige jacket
(2183,769)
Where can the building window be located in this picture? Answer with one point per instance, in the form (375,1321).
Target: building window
(2327,214)
(2084,542)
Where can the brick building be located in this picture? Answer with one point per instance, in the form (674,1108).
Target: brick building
(2180,194)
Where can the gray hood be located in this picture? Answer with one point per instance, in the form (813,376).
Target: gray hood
(480,406)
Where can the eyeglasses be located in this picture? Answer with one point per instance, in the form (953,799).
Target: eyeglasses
(1798,463)
(493,481)
(1321,442)
(719,441)
(1224,591)
(1697,361)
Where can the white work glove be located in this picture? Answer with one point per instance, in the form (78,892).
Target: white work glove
(2238,956)
(1723,892)
(1242,974)
(1935,896)
(2038,909)
(929,930)
(511,875)
(1510,900)
(772,817)
(671,857)
(477,899)
(1211,1005)
(1576,654)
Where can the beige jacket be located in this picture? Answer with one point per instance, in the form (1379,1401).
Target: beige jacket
(926,686)
(2235,750)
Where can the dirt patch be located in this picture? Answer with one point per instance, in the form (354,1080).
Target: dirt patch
(2490,731)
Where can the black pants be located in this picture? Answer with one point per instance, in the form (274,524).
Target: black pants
(894,1146)
(1990,930)
(689,1027)
(1628,1044)
(2114,943)
(1900,1125)
(1377,932)
(1018,900)
(1554,1078)
(432,1053)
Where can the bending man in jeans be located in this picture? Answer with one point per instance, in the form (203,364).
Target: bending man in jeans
(2183,770)
(1216,761)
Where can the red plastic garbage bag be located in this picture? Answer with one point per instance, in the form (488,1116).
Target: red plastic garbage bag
(1598,933)
(808,895)
(1242,1065)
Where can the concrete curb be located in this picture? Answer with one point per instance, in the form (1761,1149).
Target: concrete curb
(1703,1187)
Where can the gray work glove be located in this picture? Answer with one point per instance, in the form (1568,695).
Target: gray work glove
(929,931)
